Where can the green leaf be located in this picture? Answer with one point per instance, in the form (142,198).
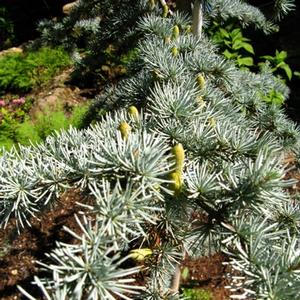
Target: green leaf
(248,47)
(281,56)
(245,61)
(227,43)
(224,33)
(236,34)
(268,57)
(287,70)
(237,45)
(229,55)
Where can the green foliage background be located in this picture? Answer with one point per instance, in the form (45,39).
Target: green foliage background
(27,132)
(21,72)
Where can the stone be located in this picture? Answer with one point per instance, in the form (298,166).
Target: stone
(68,7)
(11,50)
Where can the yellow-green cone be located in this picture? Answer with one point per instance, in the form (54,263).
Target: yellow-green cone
(174,51)
(201,81)
(165,11)
(178,152)
(124,129)
(175,33)
(140,254)
(176,178)
(132,110)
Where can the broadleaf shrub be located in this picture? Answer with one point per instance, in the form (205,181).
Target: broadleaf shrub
(235,46)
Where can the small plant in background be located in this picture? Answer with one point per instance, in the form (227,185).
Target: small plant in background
(20,72)
(8,127)
(18,101)
(13,112)
(197,294)
(16,126)
(278,64)
(50,121)
(233,44)
(16,106)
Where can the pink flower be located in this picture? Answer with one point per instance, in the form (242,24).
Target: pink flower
(2,103)
(19,101)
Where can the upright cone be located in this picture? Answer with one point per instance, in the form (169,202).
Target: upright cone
(201,81)
(124,129)
(165,11)
(178,152)
(132,110)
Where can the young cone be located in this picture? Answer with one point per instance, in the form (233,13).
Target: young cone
(201,81)
(178,152)
(132,110)
(175,33)
(176,178)
(165,11)
(140,254)
(124,129)
(174,51)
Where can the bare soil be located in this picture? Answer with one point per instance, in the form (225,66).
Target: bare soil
(19,253)
(208,273)
(58,94)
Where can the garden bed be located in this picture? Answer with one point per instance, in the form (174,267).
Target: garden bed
(19,253)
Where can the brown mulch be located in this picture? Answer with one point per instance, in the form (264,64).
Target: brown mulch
(208,273)
(293,172)
(19,253)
